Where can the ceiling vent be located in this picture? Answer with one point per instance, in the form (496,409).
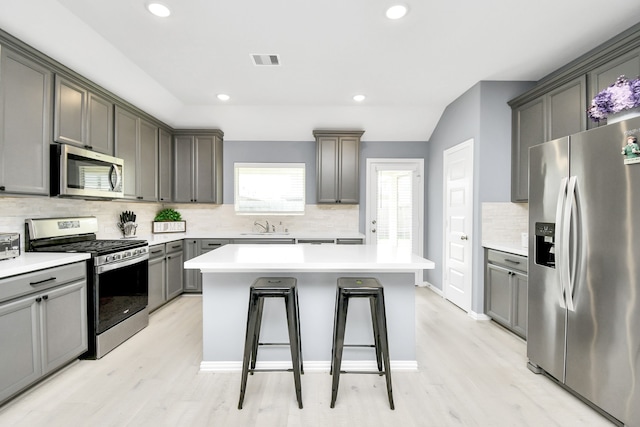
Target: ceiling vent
(265,59)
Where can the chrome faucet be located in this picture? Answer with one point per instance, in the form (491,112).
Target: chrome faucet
(265,228)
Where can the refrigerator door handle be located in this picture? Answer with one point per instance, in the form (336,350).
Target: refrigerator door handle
(559,239)
(565,271)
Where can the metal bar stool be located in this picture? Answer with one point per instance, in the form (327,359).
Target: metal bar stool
(272,287)
(349,287)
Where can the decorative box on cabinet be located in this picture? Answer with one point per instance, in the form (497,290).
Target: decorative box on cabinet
(43,324)
(197,167)
(25,124)
(338,163)
(506,290)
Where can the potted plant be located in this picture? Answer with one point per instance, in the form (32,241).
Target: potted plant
(169,220)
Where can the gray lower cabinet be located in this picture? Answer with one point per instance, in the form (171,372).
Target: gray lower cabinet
(192,249)
(338,163)
(136,142)
(175,262)
(349,241)
(197,160)
(165,273)
(264,241)
(81,117)
(43,324)
(25,124)
(157,276)
(506,290)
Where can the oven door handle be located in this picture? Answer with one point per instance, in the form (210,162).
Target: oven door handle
(114,266)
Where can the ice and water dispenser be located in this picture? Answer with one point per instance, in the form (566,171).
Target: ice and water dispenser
(545,250)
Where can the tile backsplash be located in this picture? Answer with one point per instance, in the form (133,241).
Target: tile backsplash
(504,222)
(200,218)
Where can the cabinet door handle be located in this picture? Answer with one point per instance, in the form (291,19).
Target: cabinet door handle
(40,282)
(156,252)
(38,299)
(45,297)
(175,247)
(512,261)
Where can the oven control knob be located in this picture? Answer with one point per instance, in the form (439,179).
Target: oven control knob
(126,254)
(109,258)
(136,252)
(117,256)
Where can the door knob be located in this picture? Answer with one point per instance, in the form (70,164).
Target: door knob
(373,230)
(464,237)
(373,222)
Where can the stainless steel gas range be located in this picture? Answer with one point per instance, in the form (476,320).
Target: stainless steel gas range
(117,277)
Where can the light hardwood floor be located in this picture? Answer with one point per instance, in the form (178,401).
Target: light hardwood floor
(471,373)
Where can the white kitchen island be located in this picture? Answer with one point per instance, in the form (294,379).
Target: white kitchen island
(230,270)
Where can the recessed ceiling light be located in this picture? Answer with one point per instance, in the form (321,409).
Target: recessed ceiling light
(159,9)
(223,97)
(397,11)
(359,98)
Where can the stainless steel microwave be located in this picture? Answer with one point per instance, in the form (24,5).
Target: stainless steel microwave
(76,172)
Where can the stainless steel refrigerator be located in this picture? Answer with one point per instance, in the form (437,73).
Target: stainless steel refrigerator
(584,266)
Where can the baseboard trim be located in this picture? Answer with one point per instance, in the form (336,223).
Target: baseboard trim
(434,289)
(478,316)
(311,366)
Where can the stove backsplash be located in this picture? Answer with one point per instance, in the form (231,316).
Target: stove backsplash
(200,218)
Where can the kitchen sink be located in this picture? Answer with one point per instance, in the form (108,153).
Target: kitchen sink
(262,233)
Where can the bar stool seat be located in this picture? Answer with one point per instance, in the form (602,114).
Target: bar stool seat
(272,287)
(351,287)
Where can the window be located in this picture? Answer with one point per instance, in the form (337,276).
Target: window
(269,188)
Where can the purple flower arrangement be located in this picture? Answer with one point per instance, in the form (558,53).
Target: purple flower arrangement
(622,95)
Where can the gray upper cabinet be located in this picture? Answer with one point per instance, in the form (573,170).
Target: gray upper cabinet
(136,142)
(25,124)
(338,160)
(165,164)
(605,75)
(100,124)
(81,117)
(559,113)
(557,106)
(528,130)
(148,162)
(198,168)
(126,145)
(566,107)
(69,126)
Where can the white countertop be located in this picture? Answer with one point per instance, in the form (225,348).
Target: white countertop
(511,248)
(33,261)
(266,257)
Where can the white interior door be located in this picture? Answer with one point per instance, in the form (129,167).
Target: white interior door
(394,208)
(458,223)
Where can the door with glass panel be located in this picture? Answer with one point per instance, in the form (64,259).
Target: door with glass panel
(395,203)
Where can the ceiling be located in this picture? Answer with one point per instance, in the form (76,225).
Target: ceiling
(330,50)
